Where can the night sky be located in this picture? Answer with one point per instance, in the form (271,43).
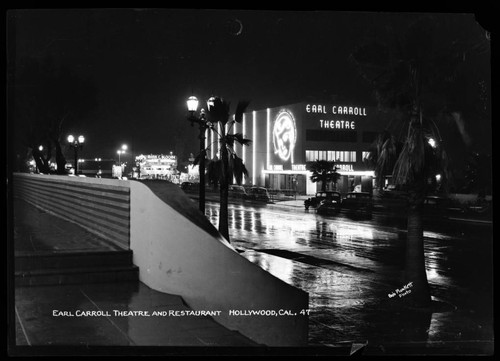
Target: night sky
(145,63)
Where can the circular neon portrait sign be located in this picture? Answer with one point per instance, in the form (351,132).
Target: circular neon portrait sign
(284,135)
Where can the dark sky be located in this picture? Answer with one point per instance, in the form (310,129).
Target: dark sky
(146,63)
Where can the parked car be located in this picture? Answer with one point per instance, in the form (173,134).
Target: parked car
(258,194)
(236,191)
(320,196)
(188,186)
(394,191)
(331,204)
(358,203)
(436,206)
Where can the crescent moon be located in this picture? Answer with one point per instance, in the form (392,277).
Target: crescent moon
(240,24)
(235,26)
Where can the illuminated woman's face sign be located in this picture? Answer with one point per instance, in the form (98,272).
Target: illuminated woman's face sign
(284,135)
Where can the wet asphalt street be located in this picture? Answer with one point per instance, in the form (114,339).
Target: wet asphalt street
(349,266)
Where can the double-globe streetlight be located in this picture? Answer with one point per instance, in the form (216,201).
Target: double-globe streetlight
(204,124)
(76,143)
(120,152)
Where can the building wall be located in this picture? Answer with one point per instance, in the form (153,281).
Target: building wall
(282,135)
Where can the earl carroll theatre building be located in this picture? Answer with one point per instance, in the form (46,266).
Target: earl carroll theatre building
(285,138)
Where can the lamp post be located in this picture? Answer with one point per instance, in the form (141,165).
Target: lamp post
(192,105)
(40,149)
(76,143)
(120,152)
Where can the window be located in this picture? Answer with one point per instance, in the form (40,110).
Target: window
(331,156)
(365,156)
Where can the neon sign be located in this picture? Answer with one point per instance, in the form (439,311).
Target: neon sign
(345,167)
(299,167)
(337,124)
(284,135)
(336,109)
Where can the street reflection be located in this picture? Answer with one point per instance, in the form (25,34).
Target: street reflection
(281,268)
(349,267)
(326,287)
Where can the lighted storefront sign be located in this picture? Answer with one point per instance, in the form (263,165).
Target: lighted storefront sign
(345,167)
(276,167)
(155,157)
(302,167)
(156,166)
(336,109)
(284,135)
(336,124)
(298,167)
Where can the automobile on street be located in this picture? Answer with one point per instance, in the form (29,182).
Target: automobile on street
(331,204)
(360,203)
(258,194)
(236,191)
(320,196)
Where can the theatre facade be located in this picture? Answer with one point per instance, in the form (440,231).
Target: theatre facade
(285,138)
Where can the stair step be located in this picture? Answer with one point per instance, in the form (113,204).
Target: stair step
(44,277)
(31,262)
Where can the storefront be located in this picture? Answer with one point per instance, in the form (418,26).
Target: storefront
(285,138)
(154,166)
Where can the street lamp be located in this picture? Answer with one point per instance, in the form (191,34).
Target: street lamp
(120,152)
(76,144)
(192,105)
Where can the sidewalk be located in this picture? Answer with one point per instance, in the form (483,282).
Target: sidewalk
(38,320)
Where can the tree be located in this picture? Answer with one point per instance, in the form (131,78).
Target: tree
(411,71)
(323,171)
(221,171)
(478,174)
(46,97)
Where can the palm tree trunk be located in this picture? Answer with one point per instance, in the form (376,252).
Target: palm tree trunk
(40,161)
(223,213)
(415,271)
(60,159)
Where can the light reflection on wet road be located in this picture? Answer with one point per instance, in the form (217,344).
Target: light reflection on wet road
(349,266)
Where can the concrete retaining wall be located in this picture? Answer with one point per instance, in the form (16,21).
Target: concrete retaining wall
(181,256)
(177,250)
(102,206)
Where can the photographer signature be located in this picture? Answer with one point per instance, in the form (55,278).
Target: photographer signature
(403,291)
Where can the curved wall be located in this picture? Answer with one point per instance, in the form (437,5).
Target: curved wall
(178,256)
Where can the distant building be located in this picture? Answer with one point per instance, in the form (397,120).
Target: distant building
(156,167)
(96,167)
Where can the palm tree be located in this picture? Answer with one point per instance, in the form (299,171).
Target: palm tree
(221,171)
(323,171)
(412,75)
